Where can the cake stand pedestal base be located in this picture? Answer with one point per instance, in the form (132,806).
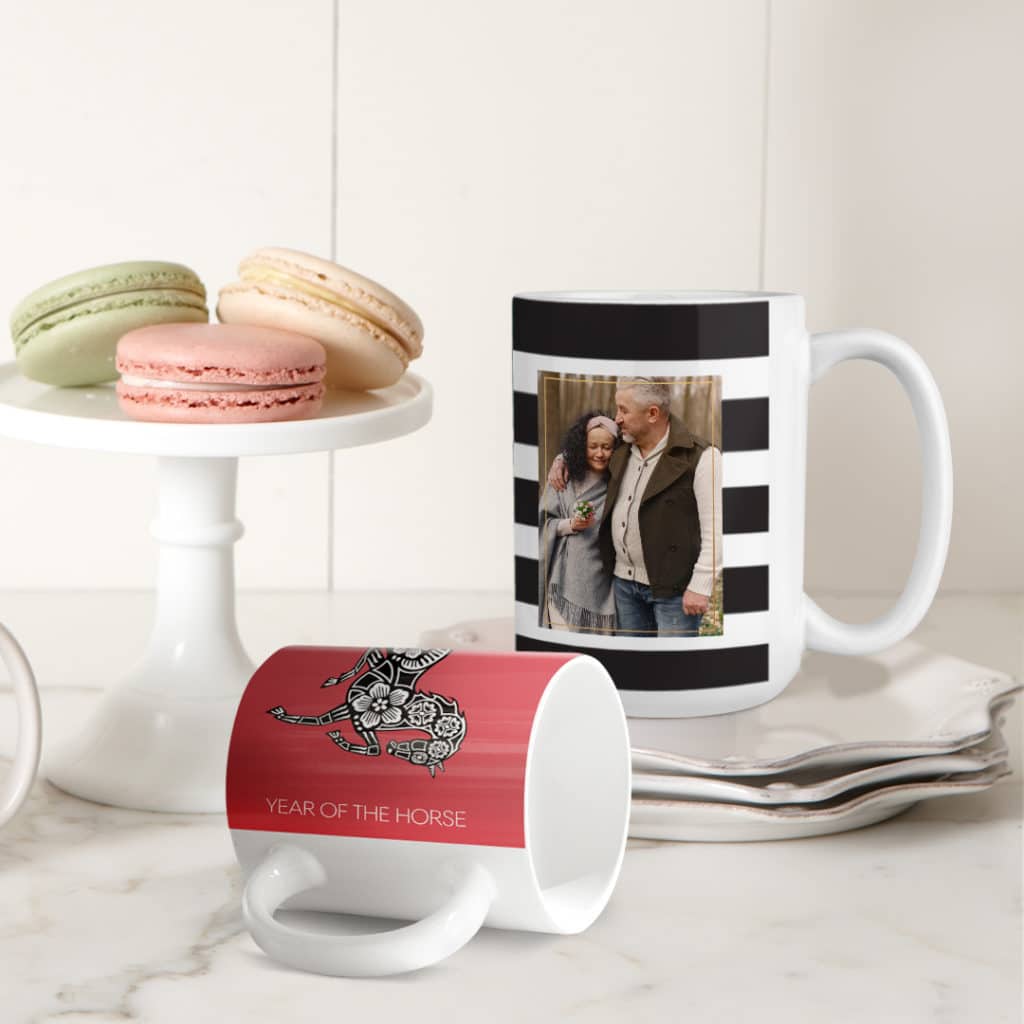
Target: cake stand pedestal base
(159,739)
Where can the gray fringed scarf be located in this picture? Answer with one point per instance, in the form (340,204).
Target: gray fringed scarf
(575,580)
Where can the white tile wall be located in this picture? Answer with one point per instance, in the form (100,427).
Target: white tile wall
(131,136)
(482,150)
(534,145)
(894,183)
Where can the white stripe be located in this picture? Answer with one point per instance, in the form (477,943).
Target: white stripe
(527,544)
(739,469)
(524,461)
(741,378)
(738,549)
(741,629)
(746,469)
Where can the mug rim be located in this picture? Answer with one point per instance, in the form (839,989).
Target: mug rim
(547,825)
(653,297)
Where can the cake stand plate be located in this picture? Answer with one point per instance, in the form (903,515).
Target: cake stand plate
(158,740)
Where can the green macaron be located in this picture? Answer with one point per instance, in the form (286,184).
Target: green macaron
(66,332)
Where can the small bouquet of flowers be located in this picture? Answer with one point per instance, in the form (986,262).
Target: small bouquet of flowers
(583,509)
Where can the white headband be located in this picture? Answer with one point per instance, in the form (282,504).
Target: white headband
(603,421)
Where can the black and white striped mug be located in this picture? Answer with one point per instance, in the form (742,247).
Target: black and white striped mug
(660,463)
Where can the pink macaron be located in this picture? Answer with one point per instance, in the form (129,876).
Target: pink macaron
(219,373)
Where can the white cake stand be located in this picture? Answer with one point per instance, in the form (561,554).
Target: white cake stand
(159,739)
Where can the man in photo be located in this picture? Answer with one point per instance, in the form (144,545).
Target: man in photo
(661,533)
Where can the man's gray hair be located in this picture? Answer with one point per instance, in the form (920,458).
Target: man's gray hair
(648,391)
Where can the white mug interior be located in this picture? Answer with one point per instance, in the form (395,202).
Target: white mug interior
(577,796)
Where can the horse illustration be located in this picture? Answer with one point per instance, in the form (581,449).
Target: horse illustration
(385,697)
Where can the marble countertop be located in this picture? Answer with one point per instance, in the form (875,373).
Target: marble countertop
(108,915)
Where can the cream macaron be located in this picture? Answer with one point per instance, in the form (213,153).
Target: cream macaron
(369,333)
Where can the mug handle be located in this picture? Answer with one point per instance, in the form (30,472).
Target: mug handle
(824,633)
(30,727)
(288,870)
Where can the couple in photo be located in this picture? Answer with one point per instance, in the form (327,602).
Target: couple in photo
(630,521)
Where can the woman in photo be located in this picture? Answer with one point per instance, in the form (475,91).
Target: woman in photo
(578,593)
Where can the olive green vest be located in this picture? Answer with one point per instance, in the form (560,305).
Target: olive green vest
(669,524)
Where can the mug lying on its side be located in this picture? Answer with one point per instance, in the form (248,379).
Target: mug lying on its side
(499,796)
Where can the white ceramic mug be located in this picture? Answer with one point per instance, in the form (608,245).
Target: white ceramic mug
(453,789)
(734,370)
(16,786)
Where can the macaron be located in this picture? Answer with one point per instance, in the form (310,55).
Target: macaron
(219,373)
(369,333)
(66,332)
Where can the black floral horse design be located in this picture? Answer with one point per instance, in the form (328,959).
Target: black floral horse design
(385,697)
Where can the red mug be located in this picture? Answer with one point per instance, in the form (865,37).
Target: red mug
(454,789)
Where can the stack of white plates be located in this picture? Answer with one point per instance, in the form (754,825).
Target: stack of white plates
(850,742)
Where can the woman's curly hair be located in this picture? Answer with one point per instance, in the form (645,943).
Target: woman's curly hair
(574,445)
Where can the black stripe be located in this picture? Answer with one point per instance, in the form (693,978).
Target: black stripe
(744,588)
(596,330)
(526,497)
(672,670)
(526,580)
(524,418)
(744,509)
(744,422)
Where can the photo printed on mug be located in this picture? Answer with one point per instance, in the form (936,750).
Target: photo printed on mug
(630,505)
(643,474)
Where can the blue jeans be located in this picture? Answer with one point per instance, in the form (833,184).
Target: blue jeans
(638,612)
